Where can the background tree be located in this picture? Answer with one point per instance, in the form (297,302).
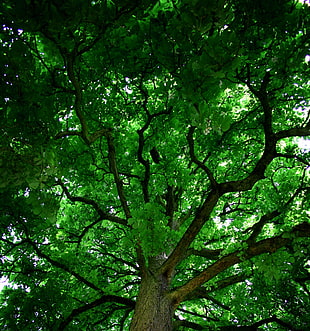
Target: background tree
(151,170)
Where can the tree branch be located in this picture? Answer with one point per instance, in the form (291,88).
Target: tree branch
(88,138)
(210,254)
(141,159)
(201,165)
(257,227)
(92,203)
(203,292)
(271,139)
(63,267)
(227,282)
(233,186)
(67,134)
(257,173)
(105,298)
(117,180)
(298,158)
(187,324)
(180,250)
(256,325)
(269,245)
(293,132)
(70,58)
(245,184)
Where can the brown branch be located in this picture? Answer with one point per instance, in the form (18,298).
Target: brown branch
(297,157)
(255,326)
(262,96)
(245,184)
(201,165)
(203,292)
(193,313)
(172,198)
(67,133)
(70,58)
(269,245)
(106,298)
(171,204)
(210,254)
(217,302)
(202,216)
(187,324)
(141,159)
(271,139)
(88,138)
(293,132)
(99,133)
(63,267)
(276,320)
(117,180)
(146,164)
(227,282)
(257,227)
(92,138)
(257,173)
(92,203)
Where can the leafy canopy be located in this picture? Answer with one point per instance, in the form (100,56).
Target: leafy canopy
(161,137)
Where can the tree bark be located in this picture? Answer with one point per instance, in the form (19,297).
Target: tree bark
(154,307)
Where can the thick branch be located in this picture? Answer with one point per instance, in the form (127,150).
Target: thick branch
(262,95)
(106,298)
(92,203)
(293,132)
(233,186)
(263,98)
(203,214)
(269,152)
(67,134)
(257,173)
(257,227)
(269,245)
(191,232)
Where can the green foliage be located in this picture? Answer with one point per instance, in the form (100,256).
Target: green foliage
(150,229)
(275,267)
(220,218)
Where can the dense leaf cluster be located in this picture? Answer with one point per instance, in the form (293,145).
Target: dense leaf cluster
(158,143)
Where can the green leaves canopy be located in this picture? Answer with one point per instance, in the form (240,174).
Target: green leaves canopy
(220,215)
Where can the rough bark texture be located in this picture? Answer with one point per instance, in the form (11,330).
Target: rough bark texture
(154,308)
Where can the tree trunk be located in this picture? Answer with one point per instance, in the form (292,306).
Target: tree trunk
(154,308)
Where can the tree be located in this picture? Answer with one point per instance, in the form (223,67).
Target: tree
(152,173)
